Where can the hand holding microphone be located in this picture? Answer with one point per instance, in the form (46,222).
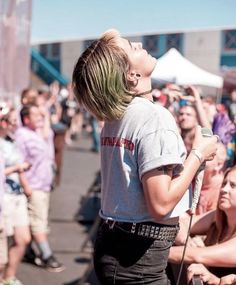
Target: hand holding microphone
(205,147)
(205,144)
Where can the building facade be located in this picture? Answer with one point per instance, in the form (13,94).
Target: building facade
(210,50)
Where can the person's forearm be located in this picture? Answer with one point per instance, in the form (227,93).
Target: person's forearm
(204,122)
(190,256)
(25,184)
(46,127)
(181,183)
(11,169)
(219,255)
(176,253)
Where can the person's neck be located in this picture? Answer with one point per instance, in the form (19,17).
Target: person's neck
(188,132)
(144,89)
(231,220)
(30,128)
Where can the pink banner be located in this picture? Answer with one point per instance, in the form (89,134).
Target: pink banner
(15,20)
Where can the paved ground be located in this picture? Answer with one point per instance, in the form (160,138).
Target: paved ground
(67,234)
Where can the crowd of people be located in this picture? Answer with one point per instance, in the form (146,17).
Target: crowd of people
(33,134)
(152,146)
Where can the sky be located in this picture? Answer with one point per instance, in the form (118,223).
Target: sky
(62,20)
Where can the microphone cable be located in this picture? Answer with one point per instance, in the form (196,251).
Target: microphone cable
(184,250)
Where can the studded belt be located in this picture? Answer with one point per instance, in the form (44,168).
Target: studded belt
(146,229)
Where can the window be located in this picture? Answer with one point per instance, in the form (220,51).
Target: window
(44,50)
(229,40)
(51,51)
(173,41)
(150,43)
(228,53)
(55,50)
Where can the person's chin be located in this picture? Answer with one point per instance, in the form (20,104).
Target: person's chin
(154,63)
(39,126)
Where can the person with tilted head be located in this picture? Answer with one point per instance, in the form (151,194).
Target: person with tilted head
(145,175)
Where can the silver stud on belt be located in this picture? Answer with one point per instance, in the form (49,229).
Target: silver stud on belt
(133,228)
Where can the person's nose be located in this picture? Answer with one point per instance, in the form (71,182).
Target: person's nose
(138,45)
(225,188)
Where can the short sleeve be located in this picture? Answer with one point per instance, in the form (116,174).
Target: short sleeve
(162,147)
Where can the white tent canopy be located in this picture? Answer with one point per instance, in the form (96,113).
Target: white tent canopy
(173,67)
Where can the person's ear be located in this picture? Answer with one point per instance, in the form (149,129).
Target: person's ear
(133,77)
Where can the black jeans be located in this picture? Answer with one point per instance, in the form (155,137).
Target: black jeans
(125,258)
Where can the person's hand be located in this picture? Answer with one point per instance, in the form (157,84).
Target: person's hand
(176,92)
(207,146)
(43,110)
(191,94)
(173,92)
(205,275)
(54,88)
(228,280)
(24,166)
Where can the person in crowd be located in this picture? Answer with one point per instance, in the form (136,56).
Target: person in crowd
(207,277)
(228,280)
(28,96)
(187,122)
(225,128)
(15,211)
(58,127)
(191,113)
(212,181)
(95,134)
(210,107)
(143,167)
(231,151)
(69,108)
(3,238)
(222,125)
(232,106)
(39,152)
(219,226)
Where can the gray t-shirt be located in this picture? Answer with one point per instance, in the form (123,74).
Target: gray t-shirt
(145,138)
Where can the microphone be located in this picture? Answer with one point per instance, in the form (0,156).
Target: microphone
(206,132)
(199,176)
(197,190)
